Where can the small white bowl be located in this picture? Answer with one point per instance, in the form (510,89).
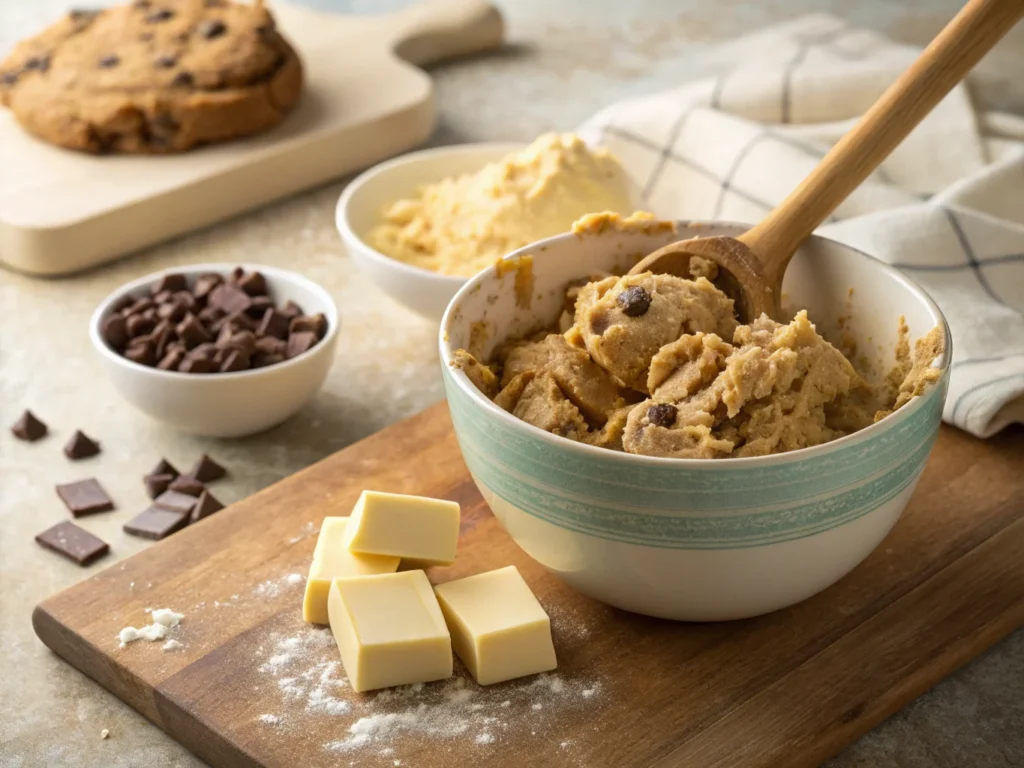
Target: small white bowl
(359,211)
(224,404)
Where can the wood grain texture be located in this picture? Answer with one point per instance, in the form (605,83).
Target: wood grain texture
(787,689)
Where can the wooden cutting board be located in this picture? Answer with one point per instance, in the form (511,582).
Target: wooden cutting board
(788,689)
(63,211)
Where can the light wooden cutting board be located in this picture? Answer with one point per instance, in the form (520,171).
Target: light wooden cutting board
(248,690)
(364,101)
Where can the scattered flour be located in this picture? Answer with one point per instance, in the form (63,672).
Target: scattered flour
(307,530)
(485,738)
(163,620)
(270,719)
(274,587)
(105,733)
(172,645)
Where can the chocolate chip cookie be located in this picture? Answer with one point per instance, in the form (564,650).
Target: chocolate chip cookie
(155,76)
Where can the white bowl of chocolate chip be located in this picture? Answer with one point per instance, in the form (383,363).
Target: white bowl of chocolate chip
(217,349)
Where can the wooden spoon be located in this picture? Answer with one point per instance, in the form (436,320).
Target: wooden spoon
(752,265)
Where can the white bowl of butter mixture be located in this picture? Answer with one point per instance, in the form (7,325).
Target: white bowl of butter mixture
(422,224)
(659,457)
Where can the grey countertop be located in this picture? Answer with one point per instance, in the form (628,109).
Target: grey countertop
(565,61)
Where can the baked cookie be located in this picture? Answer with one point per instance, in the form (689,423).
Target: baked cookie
(153,76)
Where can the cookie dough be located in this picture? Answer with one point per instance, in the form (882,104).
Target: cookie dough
(461,225)
(657,365)
(154,76)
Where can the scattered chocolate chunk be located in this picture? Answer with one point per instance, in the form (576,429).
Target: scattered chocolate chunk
(172,281)
(207,470)
(164,62)
(273,324)
(115,331)
(81,446)
(74,543)
(211,28)
(291,309)
(175,501)
(253,284)
(163,14)
(662,415)
(164,467)
(188,485)
(157,484)
(85,497)
(205,507)
(171,360)
(260,304)
(108,62)
(230,298)
(155,523)
(143,354)
(197,365)
(635,301)
(300,342)
(205,284)
(182,80)
(191,332)
(28,428)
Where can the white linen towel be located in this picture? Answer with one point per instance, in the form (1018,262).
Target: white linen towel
(947,206)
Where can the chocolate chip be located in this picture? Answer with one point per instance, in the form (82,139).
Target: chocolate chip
(164,62)
(138,325)
(115,331)
(171,281)
(260,304)
(197,365)
(635,301)
(268,345)
(205,507)
(175,501)
(291,309)
(204,351)
(85,497)
(186,298)
(229,298)
(8,78)
(29,428)
(139,306)
(122,302)
(205,284)
(273,324)
(187,485)
(210,315)
(83,15)
(157,484)
(235,360)
(182,80)
(171,360)
(262,361)
(161,337)
(40,63)
(211,28)
(316,323)
(172,311)
(162,14)
(207,470)
(300,342)
(244,341)
(662,415)
(253,284)
(143,354)
(191,332)
(81,446)
(155,523)
(214,3)
(74,543)
(108,62)
(141,4)
(236,274)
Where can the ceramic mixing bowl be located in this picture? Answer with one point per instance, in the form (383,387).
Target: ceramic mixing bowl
(699,540)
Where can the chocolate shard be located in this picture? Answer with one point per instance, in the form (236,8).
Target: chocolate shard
(175,501)
(157,484)
(29,428)
(205,507)
(74,543)
(164,467)
(81,446)
(156,523)
(85,497)
(187,485)
(206,470)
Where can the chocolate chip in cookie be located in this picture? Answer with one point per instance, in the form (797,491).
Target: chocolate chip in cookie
(662,414)
(8,78)
(164,61)
(162,14)
(39,63)
(83,15)
(211,28)
(182,80)
(635,301)
(108,62)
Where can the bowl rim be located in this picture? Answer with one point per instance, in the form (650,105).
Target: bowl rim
(354,187)
(269,271)
(737,463)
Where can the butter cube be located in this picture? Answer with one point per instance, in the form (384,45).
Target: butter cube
(410,527)
(498,628)
(332,560)
(389,630)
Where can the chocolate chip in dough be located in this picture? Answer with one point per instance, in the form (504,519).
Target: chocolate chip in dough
(662,415)
(81,446)
(83,14)
(205,507)
(156,523)
(157,484)
(635,301)
(211,28)
(207,470)
(109,62)
(300,342)
(28,428)
(74,543)
(163,14)
(85,497)
(8,78)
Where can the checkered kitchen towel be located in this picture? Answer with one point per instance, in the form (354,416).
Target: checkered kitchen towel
(947,206)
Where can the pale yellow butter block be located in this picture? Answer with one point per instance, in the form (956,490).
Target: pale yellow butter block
(332,560)
(410,527)
(498,628)
(389,630)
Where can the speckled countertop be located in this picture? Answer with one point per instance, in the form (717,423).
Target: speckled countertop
(565,60)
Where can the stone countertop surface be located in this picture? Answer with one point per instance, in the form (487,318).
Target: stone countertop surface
(565,61)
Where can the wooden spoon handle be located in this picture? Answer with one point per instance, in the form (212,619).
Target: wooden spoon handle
(943,64)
